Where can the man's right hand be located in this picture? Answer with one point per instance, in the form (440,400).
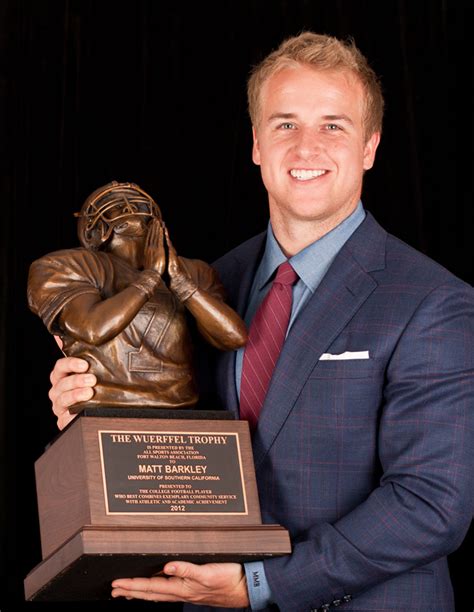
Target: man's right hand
(70,384)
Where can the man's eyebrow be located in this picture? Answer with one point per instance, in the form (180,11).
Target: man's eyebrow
(342,117)
(287,116)
(274,116)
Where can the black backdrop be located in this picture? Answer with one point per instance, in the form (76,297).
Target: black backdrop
(92,91)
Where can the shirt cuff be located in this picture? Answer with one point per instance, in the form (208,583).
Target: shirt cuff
(260,595)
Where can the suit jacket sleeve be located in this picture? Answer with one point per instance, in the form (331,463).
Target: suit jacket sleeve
(422,506)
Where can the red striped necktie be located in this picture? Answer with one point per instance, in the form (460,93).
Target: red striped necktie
(266,336)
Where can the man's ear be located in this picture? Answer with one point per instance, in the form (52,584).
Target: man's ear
(255,148)
(370,149)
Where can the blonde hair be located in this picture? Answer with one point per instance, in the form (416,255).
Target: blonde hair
(322,53)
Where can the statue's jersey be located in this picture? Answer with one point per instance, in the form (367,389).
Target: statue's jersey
(149,363)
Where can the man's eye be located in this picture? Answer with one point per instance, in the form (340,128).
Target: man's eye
(287,126)
(332,127)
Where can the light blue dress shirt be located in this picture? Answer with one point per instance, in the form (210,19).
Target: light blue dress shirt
(311,264)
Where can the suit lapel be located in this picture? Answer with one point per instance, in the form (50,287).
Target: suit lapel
(342,292)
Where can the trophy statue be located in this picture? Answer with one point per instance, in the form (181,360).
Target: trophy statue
(140,476)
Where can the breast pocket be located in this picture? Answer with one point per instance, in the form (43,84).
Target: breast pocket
(347,389)
(347,368)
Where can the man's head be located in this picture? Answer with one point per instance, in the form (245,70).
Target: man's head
(323,53)
(317,110)
(108,208)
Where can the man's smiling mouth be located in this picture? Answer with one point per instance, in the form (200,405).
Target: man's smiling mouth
(306,175)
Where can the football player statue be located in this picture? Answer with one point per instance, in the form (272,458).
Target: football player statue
(120,303)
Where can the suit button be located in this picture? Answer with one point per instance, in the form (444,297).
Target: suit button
(346,598)
(337,602)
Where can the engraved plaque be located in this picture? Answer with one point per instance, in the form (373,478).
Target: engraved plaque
(163,472)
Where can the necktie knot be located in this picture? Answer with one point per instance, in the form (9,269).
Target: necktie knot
(285,274)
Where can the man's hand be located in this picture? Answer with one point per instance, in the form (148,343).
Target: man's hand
(212,584)
(155,255)
(70,384)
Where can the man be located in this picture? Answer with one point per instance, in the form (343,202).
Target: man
(363,447)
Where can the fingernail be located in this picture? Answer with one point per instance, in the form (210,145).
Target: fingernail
(82,365)
(89,379)
(170,569)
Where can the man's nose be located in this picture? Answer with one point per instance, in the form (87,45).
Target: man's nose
(308,143)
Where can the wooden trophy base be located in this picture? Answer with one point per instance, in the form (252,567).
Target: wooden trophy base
(120,497)
(107,554)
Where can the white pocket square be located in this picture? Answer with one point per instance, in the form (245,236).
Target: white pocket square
(346,355)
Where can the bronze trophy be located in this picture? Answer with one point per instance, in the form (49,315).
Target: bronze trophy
(140,476)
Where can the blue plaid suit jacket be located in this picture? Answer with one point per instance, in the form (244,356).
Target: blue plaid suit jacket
(367,462)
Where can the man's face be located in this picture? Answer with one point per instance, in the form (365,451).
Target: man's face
(311,147)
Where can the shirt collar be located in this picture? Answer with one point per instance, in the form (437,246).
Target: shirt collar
(316,256)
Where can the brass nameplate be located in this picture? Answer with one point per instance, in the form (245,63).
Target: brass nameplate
(163,472)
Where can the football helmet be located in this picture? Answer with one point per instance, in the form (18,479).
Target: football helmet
(106,206)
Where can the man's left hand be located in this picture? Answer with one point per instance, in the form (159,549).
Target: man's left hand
(212,584)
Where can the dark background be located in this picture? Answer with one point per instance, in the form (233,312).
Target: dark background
(144,91)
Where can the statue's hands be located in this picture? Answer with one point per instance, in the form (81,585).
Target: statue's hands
(181,284)
(155,255)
